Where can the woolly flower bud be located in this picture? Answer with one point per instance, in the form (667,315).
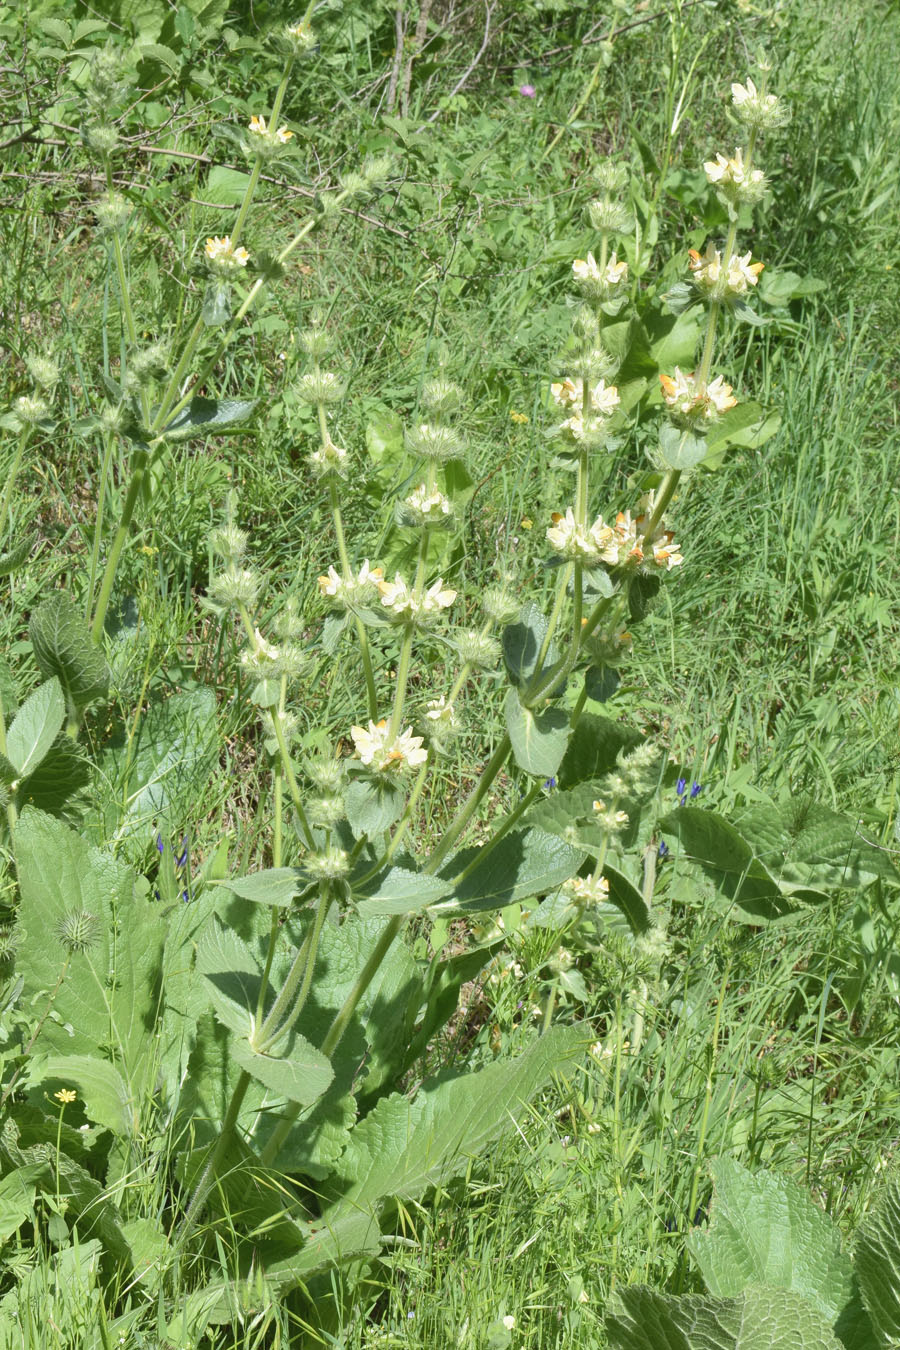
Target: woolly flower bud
(288,721)
(378,750)
(423,508)
(359,589)
(105,82)
(600,283)
(301,38)
(478,649)
(319,386)
(587,890)
(608,216)
(316,341)
(732,180)
(290,623)
(329,865)
(222,257)
(326,811)
(43,371)
(112,211)
(404,606)
(291,660)
(715,279)
(325,774)
(692,402)
(147,364)
(377,168)
(78,931)
(756,109)
(609,175)
(228,542)
(100,140)
(353,183)
(328,458)
(433,441)
(500,605)
(441,397)
(29,411)
(234,587)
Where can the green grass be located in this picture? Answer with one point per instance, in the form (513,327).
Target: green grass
(767,667)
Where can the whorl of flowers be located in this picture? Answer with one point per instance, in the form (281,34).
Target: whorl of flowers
(584,423)
(723,280)
(693,401)
(384,753)
(222,256)
(600,283)
(733,181)
(344,594)
(405,606)
(756,109)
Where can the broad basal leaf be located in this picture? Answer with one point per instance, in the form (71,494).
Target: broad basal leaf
(35,727)
(62,647)
(758,1319)
(398,891)
(728,860)
(538,739)
(525,863)
(876,1258)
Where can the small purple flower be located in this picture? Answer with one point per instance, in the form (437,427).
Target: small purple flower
(680,787)
(160,846)
(527,90)
(182,858)
(549,782)
(663,850)
(696,789)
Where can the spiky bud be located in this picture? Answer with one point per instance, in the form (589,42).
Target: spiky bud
(477,649)
(319,386)
(609,216)
(43,371)
(113,212)
(500,605)
(78,931)
(441,397)
(431,440)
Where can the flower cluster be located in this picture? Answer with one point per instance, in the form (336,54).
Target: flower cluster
(691,400)
(587,890)
(379,750)
(426,508)
(223,257)
(616,545)
(578,543)
(723,280)
(598,283)
(734,181)
(757,109)
(261,132)
(406,606)
(588,413)
(327,459)
(345,593)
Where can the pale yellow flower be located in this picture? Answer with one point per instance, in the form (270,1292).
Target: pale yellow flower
(333,585)
(731,172)
(219,251)
(66,1096)
(742,273)
(683,395)
(259,652)
(378,751)
(441,711)
(430,506)
(258,128)
(589,274)
(587,890)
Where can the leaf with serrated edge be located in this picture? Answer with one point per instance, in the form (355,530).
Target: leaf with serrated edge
(524,863)
(876,1257)
(35,727)
(758,1319)
(538,739)
(399,891)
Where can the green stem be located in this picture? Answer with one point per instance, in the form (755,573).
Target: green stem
(98,522)
(11,814)
(361,984)
(365,652)
(11,479)
(470,805)
(171,390)
(407,643)
(109,574)
(208,1175)
(285,1010)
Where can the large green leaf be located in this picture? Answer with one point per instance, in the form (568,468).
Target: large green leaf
(522,642)
(169,764)
(729,861)
(538,739)
(808,844)
(766,1230)
(35,727)
(62,772)
(398,891)
(276,886)
(233,977)
(298,1072)
(403,1146)
(209,417)
(17,1192)
(876,1256)
(594,747)
(89,944)
(758,1319)
(525,863)
(106,1096)
(62,647)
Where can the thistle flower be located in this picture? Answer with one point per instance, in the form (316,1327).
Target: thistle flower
(223,256)
(377,750)
(687,399)
(259,130)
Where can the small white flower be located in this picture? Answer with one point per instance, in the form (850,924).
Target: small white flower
(377,751)
(220,252)
(687,399)
(599,283)
(333,586)
(509,1322)
(260,652)
(731,173)
(329,458)
(440,711)
(428,507)
(707,270)
(437,598)
(742,273)
(258,128)
(587,890)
